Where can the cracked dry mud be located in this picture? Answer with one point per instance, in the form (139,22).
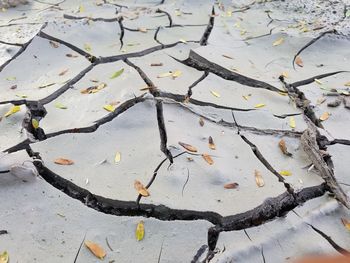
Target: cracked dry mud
(229,65)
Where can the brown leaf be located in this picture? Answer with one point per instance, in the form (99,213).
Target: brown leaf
(71,56)
(346,223)
(324,116)
(63,72)
(141,189)
(227,56)
(201,122)
(95,249)
(156,64)
(53,44)
(188,147)
(231,186)
(207,158)
(211,143)
(63,161)
(258,179)
(299,61)
(283,147)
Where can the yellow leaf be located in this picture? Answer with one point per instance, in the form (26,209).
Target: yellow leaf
(11,78)
(4,257)
(117,73)
(258,179)
(140,231)
(176,74)
(285,74)
(319,82)
(182,40)
(23,96)
(98,251)
(178,13)
(13,110)
(211,143)
(164,75)
(109,107)
(87,47)
(243,32)
(59,105)
(292,122)
(299,61)
(81,9)
(215,94)
(260,105)
(188,147)
(35,123)
(207,158)
(285,173)
(278,42)
(63,161)
(324,116)
(347,84)
(141,189)
(117,157)
(346,223)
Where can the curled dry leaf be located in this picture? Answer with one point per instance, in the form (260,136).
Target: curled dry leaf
(211,143)
(201,122)
(141,189)
(140,231)
(188,147)
(283,147)
(4,257)
(176,74)
(13,110)
(319,82)
(142,29)
(63,72)
(117,73)
(109,107)
(216,94)
(231,186)
(324,116)
(164,75)
(227,56)
(292,122)
(35,123)
(347,84)
(95,249)
(285,173)
(260,105)
(278,42)
(61,106)
(346,223)
(93,89)
(299,61)
(71,55)
(157,64)
(63,161)
(258,179)
(321,100)
(117,157)
(207,158)
(87,47)
(54,44)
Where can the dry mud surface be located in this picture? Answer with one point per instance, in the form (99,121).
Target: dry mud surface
(114,86)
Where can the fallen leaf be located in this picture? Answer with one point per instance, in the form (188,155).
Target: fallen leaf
(35,123)
(46,85)
(87,47)
(292,122)
(207,158)
(117,157)
(299,61)
(142,29)
(321,100)
(278,42)
(258,179)
(11,78)
(13,110)
(145,88)
(176,74)
(231,186)
(23,96)
(98,251)
(59,105)
(201,122)
(117,73)
(215,94)
(182,40)
(141,189)
(63,72)
(246,97)
(285,173)
(188,147)
(71,56)
(347,84)
(324,116)
(260,105)
(164,75)
(156,64)
(140,231)
(346,223)
(93,89)
(13,87)
(63,161)
(109,107)
(54,44)
(81,9)
(211,143)
(4,257)
(227,56)
(283,147)
(285,74)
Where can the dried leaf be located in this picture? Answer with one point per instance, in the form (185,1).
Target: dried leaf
(93,89)
(227,56)
(13,87)
(201,122)
(46,85)
(215,94)
(71,56)
(63,72)
(87,47)
(283,147)
(63,161)
(211,143)
(109,107)
(164,75)
(260,105)
(117,157)
(4,257)
(231,186)
(59,105)
(285,74)
(182,40)
(117,73)
(54,44)
(246,97)
(321,100)
(188,147)
(285,173)
(81,9)
(141,189)
(347,84)
(35,123)
(207,158)
(299,61)
(176,74)
(140,231)
(156,64)
(346,223)
(13,110)
(98,251)
(23,96)
(11,78)
(292,122)
(258,179)
(324,116)
(319,82)
(142,29)
(278,42)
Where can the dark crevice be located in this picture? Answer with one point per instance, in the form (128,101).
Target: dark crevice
(156,36)
(312,79)
(11,44)
(122,31)
(189,92)
(168,16)
(207,32)
(114,19)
